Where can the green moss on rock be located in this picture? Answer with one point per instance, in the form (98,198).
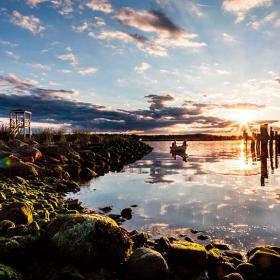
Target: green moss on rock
(81,238)
(8,273)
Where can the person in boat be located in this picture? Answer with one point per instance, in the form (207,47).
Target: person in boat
(184,143)
(174,144)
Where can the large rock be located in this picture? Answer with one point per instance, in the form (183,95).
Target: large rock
(23,169)
(147,264)
(17,212)
(15,143)
(8,273)
(187,258)
(30,152)
(3,145)
(266,260)
(80,238)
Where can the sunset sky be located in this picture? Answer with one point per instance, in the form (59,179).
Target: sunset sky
(153,66)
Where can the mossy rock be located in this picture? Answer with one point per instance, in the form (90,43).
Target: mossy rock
(13,249)
(190,257)
(268,262)
(8,273)
(147,264)
(80,238)
(233,276)
(248,271)
(18,212)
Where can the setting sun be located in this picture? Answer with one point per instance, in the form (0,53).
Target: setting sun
(243,117)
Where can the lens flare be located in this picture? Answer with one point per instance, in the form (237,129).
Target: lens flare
(5,162)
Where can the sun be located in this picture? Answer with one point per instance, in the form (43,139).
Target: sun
(243,117)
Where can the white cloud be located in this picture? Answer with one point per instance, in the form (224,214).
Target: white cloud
(87,70)
(99,21)
(30,23)
(143,67)
(64,7)
(142,43)
(241,7)
(40,66)
(82,28)
(65,71)
(229,39)
(12,55)
(51,83)
(8,43)
(100,5)
(68,57)
(257,24)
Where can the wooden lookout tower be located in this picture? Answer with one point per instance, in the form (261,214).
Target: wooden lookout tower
(20,123)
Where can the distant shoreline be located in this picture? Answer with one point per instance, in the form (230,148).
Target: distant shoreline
(191,137)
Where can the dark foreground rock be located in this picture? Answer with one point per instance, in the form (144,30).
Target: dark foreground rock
(82,238)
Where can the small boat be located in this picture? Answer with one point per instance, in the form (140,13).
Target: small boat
(179,149)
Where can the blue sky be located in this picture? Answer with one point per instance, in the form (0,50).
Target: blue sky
(155,66)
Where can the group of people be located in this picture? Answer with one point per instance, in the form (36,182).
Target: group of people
(174,143)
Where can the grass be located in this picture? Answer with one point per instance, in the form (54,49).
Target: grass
(4,133)
(81,137)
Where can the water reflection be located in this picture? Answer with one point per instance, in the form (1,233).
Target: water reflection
(218,188)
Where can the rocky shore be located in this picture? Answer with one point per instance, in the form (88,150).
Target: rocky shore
(44,236)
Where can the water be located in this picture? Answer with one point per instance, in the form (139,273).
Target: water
(220,188)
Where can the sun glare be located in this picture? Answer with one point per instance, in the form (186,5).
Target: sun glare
(243,117)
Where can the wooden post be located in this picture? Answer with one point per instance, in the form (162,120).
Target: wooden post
(276,149)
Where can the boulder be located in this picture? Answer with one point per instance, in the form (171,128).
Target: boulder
(17,212)
(248,271)
(3,145)
(15,143)
(126,213)
(30,152)
(8,273)
(266,260)
(233,276)
(147,264)
(189,258)
(220,246)
(80,238)
(87,173)
(5,225)
(23,169)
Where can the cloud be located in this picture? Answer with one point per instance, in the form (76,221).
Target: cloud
(68,57)
(87,70)
(82,28)
(143,67)
(40,66)
(14,85)
(168,33)
(58,106)
(64,7)
(158,101)
(30,23)
(12,55)
(99,21)
(229,39)
(257,24)
(142,42)
(100,5)
(8,43)
(34,3)
(183,5)
(240,8)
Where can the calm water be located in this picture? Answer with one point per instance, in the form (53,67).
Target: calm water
(220,188)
